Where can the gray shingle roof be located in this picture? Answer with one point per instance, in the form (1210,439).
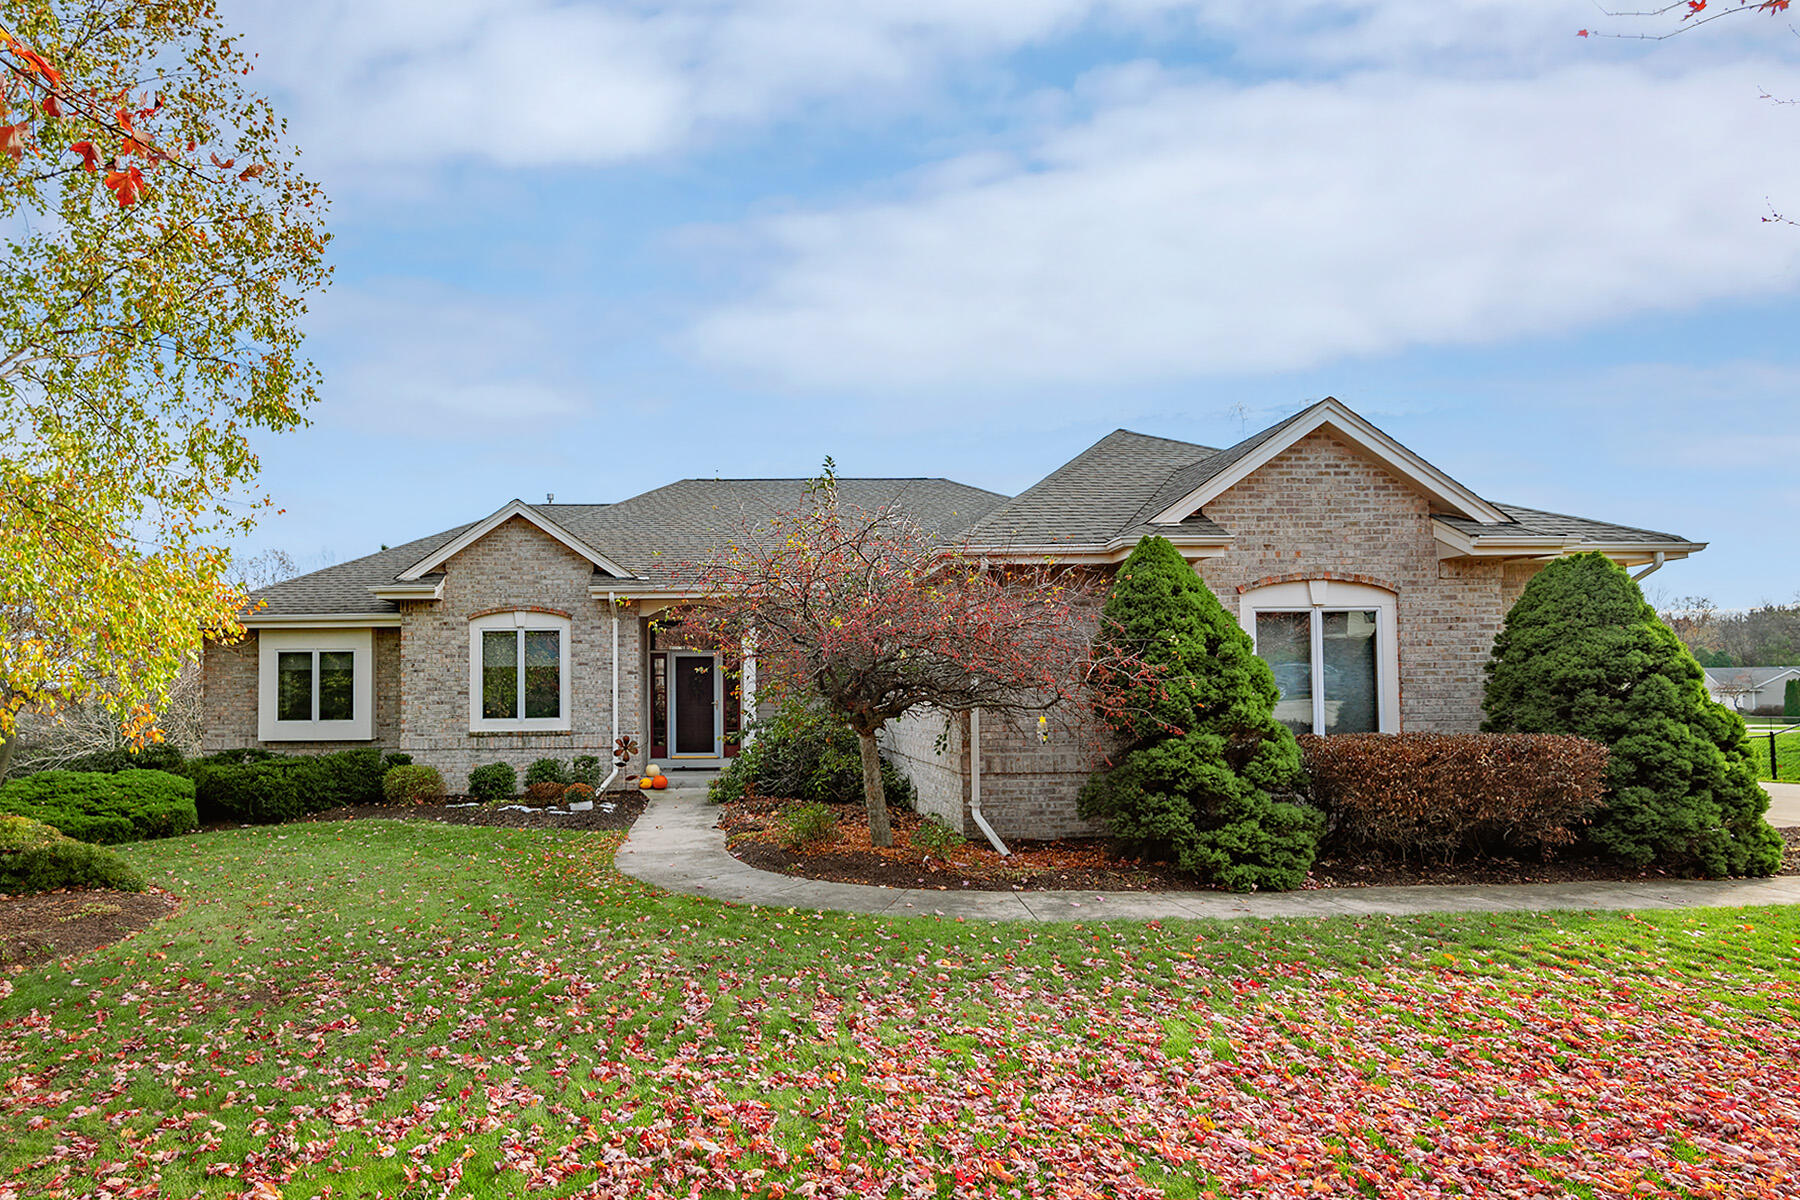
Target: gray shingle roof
(650,535)
(1101,494)
(1757,678)
(1534,522)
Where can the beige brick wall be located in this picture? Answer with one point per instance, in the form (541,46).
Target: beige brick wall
(941,776)
(514,566)
(228,698)
(1321,509)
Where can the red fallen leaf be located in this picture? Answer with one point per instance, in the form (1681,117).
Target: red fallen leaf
(127,186)
(12,140)
(90,157)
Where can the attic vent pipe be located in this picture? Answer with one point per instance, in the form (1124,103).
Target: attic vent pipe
(549,497)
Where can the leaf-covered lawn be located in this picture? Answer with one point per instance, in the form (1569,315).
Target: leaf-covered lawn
(413,1009)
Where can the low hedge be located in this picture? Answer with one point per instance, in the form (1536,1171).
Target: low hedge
(1444,796)
(260,788)
(35,857)
(409,784)
(496,781)
(105,807)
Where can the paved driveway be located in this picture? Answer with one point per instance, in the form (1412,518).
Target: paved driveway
(1784,804)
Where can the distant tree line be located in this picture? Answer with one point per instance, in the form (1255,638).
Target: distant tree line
(1765,636)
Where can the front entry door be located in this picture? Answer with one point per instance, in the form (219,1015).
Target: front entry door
(694,705)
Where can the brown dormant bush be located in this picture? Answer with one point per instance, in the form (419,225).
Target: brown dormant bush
(545,792)
(1436,795)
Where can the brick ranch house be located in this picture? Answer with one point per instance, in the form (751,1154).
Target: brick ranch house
(1371,581)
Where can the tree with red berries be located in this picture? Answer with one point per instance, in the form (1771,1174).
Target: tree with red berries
(161,247)
(877,617)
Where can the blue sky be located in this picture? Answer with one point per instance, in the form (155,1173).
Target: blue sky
(589,248)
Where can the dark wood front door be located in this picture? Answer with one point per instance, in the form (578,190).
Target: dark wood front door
(694,696)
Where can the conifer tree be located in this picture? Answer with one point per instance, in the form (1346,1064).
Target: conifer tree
(1203,756)
(1582,653)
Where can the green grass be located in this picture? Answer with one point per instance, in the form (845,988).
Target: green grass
(417,1009)
(1787,750)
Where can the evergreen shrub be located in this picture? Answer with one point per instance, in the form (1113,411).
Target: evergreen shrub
(1207,777)
(105,807)
(410,784)
(496,781)
(35,857)
(1582,653)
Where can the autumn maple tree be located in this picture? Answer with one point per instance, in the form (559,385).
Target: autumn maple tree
(878,617)
(160,246)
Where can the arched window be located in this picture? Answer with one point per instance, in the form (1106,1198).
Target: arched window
(1333,649)
(519,673)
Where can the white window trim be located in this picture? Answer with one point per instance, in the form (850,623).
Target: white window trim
(1328,595)
(272,642)
(527,621)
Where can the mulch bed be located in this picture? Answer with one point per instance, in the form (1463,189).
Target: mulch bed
(35,929)
(1096,864)
(614,812)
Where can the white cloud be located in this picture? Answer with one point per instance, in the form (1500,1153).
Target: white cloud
(1205,229)
(433,361)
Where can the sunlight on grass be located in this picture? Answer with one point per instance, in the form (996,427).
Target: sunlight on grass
(413,1008)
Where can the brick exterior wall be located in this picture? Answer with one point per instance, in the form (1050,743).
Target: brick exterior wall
(422,692)
(228,698)
(516,566)
(1318,510)
(941,777)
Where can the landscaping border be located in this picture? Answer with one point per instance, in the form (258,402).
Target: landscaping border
(676,844)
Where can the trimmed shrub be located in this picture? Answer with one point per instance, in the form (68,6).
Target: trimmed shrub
(546,770)
(157,756)
(96,806)
(935,835)
(35,857)
(545,791)
(1582,653)
(496,781)
(1442,796)
(260,788)
(409,784)
(803,751)
(806,822)
(1204,759)
(586,769)
(392,760)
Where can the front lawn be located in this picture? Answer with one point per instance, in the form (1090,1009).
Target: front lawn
(419,1009)
(1787,750)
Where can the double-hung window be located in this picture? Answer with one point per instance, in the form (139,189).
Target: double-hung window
(519,673)
(315,685)
(1331,647)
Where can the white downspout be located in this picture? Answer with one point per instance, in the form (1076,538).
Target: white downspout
(975,784)
(1655,565)
(617,765)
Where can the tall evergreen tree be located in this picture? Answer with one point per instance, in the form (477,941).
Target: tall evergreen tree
(1582,653)
(1790,699)
(1204,757)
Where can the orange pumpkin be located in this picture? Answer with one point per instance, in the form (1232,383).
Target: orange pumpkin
(647,782)
(661,781)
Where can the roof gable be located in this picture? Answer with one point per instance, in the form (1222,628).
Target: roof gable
(517,508)
(1202,482)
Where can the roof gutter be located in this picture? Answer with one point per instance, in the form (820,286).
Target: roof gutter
(1655,566)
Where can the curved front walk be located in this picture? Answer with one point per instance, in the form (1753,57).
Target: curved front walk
(677,845)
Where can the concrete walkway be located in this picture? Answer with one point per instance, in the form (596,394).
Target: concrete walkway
(1784,803)
(676,845)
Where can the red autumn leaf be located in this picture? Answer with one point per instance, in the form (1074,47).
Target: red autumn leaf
(52,106)
(37,63)
(1694,6)
(127,186)
(12,140)
(224,164)
(252,171)
(1581,33)
(90,157)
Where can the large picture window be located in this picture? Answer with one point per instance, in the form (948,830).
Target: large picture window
(1331,648)
(519,672)
(316,685)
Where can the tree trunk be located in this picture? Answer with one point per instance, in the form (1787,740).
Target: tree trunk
(874,798)
(6,753)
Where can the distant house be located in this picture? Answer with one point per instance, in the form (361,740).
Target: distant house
(1371,581)
(1750,689)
